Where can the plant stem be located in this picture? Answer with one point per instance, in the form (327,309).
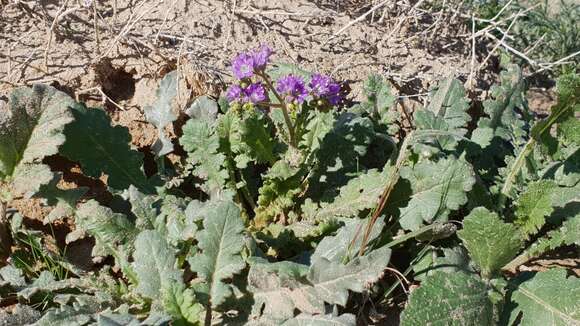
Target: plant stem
(208,316)
(393,178)
(5,239)
(284,107)
(518,163)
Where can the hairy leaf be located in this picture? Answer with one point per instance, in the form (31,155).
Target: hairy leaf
(322,320)
(502,119)
(548,298)
(101,148)
(534,205)
(438,188)
(201,142)
(256,141)
(108,228)
(490,242)
(449,299)
(343,245)
(447,112)
(359,194)
(319,124)
(31,128)
(565,235)
(154,265)
(278,294)
(203,108)
(221,242)
(161,114)
(181,303)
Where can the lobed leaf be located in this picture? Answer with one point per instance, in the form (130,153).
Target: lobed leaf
(31,128)
(547,298)
(221,242)
(161,114)
(437,189)
(449,299)
(491,242)
(101,148)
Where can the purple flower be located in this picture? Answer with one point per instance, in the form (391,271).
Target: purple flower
(292,88)
(322,86)
(261,57)
(234,93)
(255,93)
(243,66)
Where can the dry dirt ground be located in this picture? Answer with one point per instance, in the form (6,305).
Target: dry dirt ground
(113,53)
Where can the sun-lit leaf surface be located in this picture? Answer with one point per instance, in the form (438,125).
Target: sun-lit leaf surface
(161,113)
(491,242)
(221,242)
(31,128)
(449,299)
(437,189)
(547,298)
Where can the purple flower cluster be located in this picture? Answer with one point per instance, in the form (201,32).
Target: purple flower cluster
(246,64)
(324,87)
(254,93)
(292,89)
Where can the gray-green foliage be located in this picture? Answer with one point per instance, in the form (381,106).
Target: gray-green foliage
(449,299)
(31,128)
(548,298)
(253,227)
(221,243)
(279,291)
(446,113)
(161,113)
(437,189)
(491,242)
(101,148)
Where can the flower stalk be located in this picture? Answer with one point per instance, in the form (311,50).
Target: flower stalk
(284,107)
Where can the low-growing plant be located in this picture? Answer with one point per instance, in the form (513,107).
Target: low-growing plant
(300,201)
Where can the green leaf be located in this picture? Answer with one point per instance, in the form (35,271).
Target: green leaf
(161,114)
(256,139)
(454,260)
(202,143)
(491,242)
(101,148)
(277,295)
(322,320)
(154,265)
(565,235)
(359,194)
(548,298)
(446,112)
(173,222)
(437,189)
(318,125)
(343,245)
(20,315)
(31,128)
(221,242)
(449,299)
(534,205)
(108,228)
(182,305)
(339,155)
(502,119)
(64,200)
(203,108)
